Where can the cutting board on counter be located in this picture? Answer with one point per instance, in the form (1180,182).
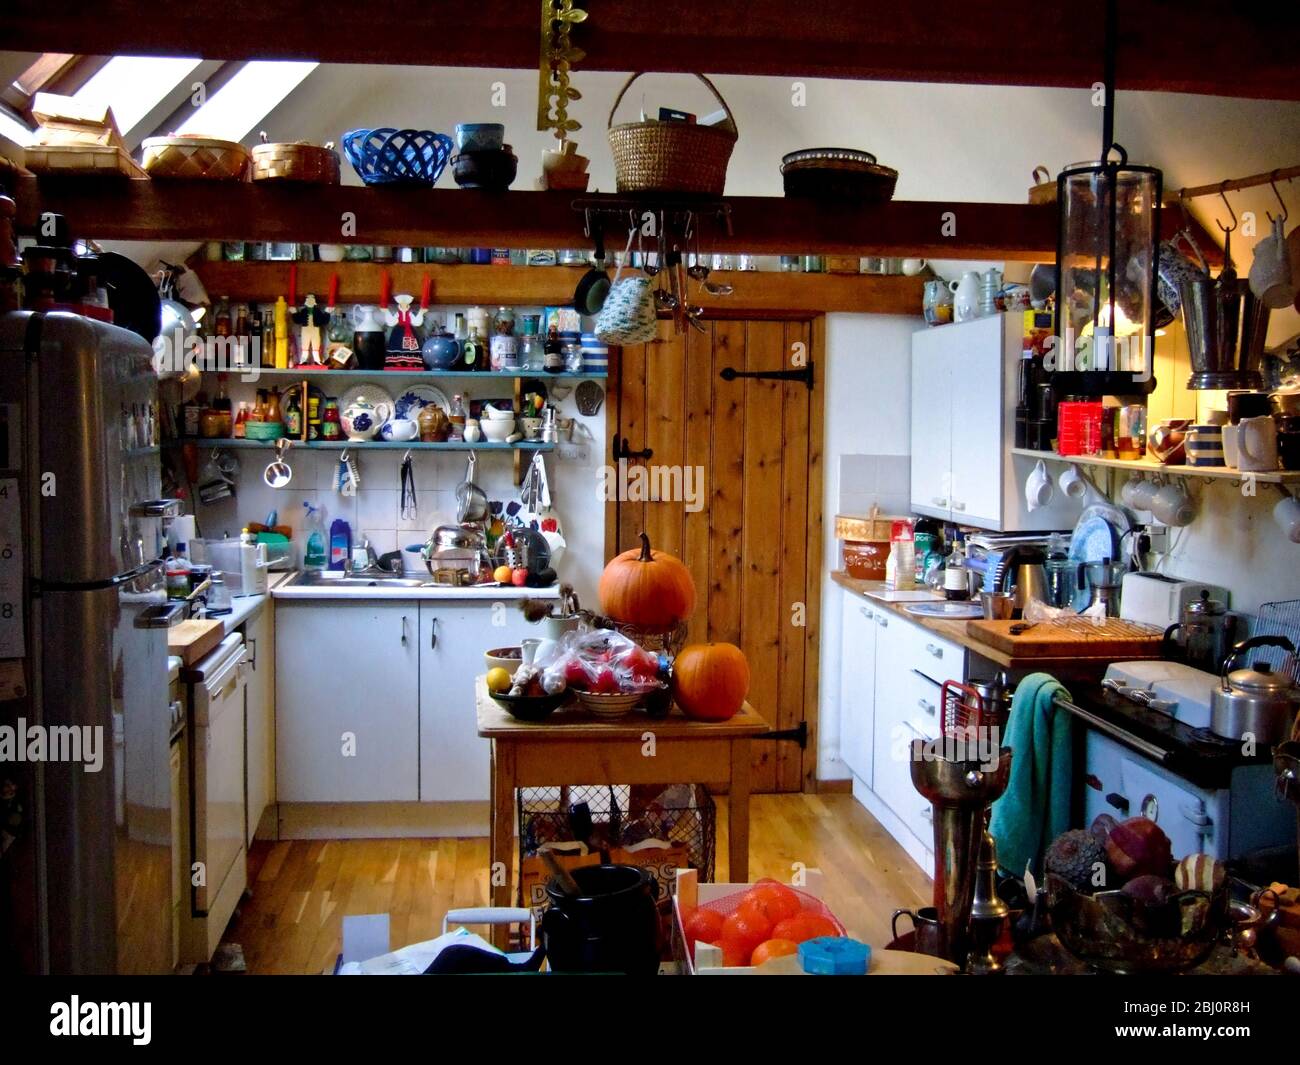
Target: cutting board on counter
(1113,639)
(191,640)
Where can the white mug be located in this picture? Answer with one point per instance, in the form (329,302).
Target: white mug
(912,267)
(1138,493)
(1172,506)
(1073,483)
(1038,487)
(1231,454)
(1257,443)
(966,297)
(1287,515)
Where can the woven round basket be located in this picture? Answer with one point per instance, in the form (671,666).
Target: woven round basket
(671,156)
(189,156)
(300,161)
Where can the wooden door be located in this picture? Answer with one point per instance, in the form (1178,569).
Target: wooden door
(751,449)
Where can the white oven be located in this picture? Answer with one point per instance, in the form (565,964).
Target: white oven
(217,867)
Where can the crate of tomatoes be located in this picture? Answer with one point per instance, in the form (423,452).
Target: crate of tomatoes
(731,929)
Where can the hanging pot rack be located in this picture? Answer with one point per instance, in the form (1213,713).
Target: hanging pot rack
(1270,177)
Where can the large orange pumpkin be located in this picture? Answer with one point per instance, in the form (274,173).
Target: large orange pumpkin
(711,680)
(650,589)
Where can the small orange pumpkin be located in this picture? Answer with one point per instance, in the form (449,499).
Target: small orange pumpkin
(650,589)
(711,680)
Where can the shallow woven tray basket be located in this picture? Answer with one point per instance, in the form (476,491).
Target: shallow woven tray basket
(206,158)
(671,156)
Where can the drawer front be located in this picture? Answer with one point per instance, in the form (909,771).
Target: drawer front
(929,653)
(922,704)
(892,781)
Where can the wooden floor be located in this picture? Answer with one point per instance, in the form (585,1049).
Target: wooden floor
(302,889)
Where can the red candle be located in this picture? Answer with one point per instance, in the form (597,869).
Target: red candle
(334,290)
(424,292)
(293,285)
(385,289)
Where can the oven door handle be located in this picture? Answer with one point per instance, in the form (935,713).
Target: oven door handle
(1159,754)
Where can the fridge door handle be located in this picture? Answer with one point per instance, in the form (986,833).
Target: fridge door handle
(115,581)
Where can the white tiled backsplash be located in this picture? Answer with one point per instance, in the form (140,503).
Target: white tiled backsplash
(375,510)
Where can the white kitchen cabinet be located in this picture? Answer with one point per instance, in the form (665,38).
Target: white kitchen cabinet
(857,685)
(259,716)
(454,759)
(964,380)
(347,700)
(911,662)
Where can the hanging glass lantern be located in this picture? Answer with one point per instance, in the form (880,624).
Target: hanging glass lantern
(1106,266)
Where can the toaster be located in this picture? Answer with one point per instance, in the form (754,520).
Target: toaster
(1157,599)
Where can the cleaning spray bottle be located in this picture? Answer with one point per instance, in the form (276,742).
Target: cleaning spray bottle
(340,544)
(315,554)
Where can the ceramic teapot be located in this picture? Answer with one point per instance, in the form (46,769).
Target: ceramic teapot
(398,429)
(361,418)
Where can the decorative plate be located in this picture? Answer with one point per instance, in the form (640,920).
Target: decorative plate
(1094,539)
(373,393)
(954,611)
(414,398)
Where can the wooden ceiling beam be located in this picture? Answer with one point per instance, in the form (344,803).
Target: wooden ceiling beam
(1194,46)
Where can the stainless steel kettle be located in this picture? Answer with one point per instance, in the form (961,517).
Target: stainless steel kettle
(1255,702)
(1024,568)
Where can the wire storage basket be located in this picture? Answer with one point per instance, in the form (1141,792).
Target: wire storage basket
(620,822)
(651,156)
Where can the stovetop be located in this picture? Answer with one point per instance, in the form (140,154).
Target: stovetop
(1196,754)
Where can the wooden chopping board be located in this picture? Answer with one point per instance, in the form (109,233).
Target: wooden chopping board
(191,640)
(1115,640)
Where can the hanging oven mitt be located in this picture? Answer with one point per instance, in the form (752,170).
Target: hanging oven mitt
(628,316)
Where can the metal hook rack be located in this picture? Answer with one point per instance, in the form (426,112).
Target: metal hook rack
(1223,195)
(1272,181)
(685,210)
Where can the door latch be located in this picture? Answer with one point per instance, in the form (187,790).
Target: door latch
(623,451)
(804,374)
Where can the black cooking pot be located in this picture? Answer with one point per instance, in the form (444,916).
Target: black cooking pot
(610,926)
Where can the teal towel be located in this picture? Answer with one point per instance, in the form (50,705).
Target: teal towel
(1035,808)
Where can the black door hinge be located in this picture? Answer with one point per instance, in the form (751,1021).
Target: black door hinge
(799,734)
(804,374)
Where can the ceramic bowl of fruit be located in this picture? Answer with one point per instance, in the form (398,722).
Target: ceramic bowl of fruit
(523,693)
(1120,903)
(608,705)
(507,658)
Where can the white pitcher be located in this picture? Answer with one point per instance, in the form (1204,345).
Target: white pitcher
(965,296)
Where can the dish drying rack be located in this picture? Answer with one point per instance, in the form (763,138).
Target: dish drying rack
(1280,618)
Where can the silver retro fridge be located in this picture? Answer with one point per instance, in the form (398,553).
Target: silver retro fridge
(86,873)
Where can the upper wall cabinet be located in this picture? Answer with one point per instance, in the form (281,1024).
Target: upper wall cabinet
(963,428)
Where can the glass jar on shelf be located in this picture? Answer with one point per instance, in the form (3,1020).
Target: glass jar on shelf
(531,356)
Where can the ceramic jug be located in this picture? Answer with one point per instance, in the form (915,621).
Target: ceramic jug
(965,297)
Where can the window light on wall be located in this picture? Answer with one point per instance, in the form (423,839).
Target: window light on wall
(239,106)
(134,85)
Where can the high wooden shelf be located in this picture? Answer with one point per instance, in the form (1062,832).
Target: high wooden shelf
(754,291)
(1145,466)
(1163,45)
(106,209)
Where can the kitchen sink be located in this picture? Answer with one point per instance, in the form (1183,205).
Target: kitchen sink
(313,579)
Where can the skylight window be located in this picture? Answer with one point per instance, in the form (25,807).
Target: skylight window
(134,85)
(239,106)
(15,130)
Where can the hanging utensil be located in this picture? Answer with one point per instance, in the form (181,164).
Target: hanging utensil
(471,500)
(278,472)
(410,505)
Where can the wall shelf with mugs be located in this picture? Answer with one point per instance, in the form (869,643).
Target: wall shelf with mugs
(1216,473)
